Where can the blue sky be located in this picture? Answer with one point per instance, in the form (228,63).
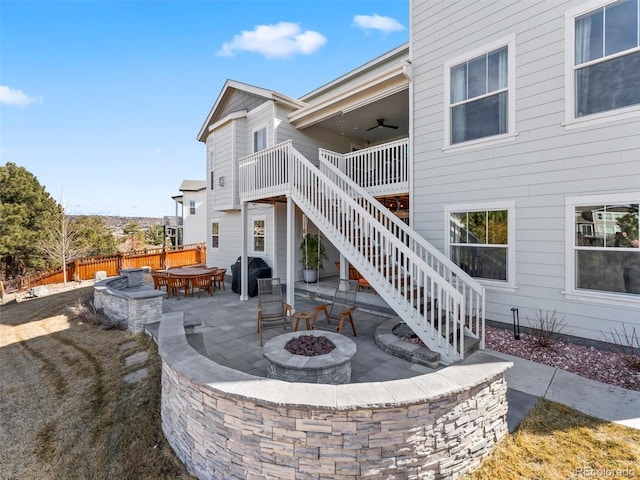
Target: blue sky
(102,100)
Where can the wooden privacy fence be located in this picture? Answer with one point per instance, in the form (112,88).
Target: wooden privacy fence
(86,268)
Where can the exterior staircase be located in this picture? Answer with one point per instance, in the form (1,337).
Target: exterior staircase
(434,297)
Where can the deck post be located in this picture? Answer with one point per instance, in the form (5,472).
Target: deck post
(291,249)
(244,267)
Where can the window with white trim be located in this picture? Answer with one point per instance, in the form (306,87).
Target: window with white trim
(258,235)
(215,234)
(260,139)
(605,68)
(603,253)
(480,240)
(480,101)
(192,207)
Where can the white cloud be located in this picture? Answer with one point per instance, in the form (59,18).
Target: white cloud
(274,41)
(377,22)
(10,96)
(158,151)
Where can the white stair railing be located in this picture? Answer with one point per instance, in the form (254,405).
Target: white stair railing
(380,170)
(452,273)
(401,277)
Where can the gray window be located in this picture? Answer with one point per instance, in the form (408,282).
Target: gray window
(479,97)
(607,59)
(260,139)
(479,242)
(215,235)
(606,248)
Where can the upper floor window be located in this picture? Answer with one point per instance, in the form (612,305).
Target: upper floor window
(260,139)
(480,96)
(192,207)
(606,58)
(258,236)
(604,253)
(481,240)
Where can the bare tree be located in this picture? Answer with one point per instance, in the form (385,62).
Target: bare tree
(62,241)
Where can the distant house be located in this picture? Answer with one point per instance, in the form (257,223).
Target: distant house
(489,164)
(189,224)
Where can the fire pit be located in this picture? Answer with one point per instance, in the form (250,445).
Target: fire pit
(333,367)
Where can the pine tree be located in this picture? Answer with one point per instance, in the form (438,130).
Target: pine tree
(27,211)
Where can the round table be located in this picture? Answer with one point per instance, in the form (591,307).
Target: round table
(188,271)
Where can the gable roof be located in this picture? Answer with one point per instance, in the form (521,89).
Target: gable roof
(232,86)
(193,185)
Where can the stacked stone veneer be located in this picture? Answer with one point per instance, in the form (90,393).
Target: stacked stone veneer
(225,424)
(123,300)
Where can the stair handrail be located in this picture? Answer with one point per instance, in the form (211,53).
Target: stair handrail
(309,187)
(378,210)
(469,286)
(388,262)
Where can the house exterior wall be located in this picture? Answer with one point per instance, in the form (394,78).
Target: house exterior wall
(538,170)
(226,145)
(239,101)
(194,225)
(223,149)
(309,140)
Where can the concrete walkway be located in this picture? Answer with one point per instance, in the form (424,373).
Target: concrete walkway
(224,329)
(529,381)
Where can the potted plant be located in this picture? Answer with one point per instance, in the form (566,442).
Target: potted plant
(312,254)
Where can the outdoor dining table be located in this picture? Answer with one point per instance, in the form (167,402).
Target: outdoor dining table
(187,272)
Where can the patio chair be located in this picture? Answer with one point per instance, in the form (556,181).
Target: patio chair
(160,280)
(273,311)
(218,278)
(339,309)
(202,282)
(176,284)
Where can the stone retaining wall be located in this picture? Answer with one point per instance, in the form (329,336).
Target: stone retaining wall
(225,424)
(123,301)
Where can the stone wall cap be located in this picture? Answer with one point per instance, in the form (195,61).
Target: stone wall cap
(178,355)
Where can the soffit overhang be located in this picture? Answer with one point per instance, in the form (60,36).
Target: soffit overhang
(353,96)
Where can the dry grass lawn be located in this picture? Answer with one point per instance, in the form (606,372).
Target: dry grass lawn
(65,411)
(555,442)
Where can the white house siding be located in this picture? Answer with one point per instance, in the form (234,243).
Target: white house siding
(223,149)
(258,118)
(194,226)
(237,101)
(545,164)
(309,140)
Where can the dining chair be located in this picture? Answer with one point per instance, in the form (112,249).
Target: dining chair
(176,284)
(202,282)
(218,278)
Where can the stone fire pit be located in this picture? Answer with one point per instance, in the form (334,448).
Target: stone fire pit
(330,368)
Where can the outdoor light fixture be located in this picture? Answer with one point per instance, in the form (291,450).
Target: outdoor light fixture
(516,323)
(221,181)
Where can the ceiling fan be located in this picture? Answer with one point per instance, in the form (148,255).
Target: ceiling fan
(381,124)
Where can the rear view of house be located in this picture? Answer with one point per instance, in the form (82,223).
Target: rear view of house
(492,163)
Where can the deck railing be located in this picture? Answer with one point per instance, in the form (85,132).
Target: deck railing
(380,170)
(432,305)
